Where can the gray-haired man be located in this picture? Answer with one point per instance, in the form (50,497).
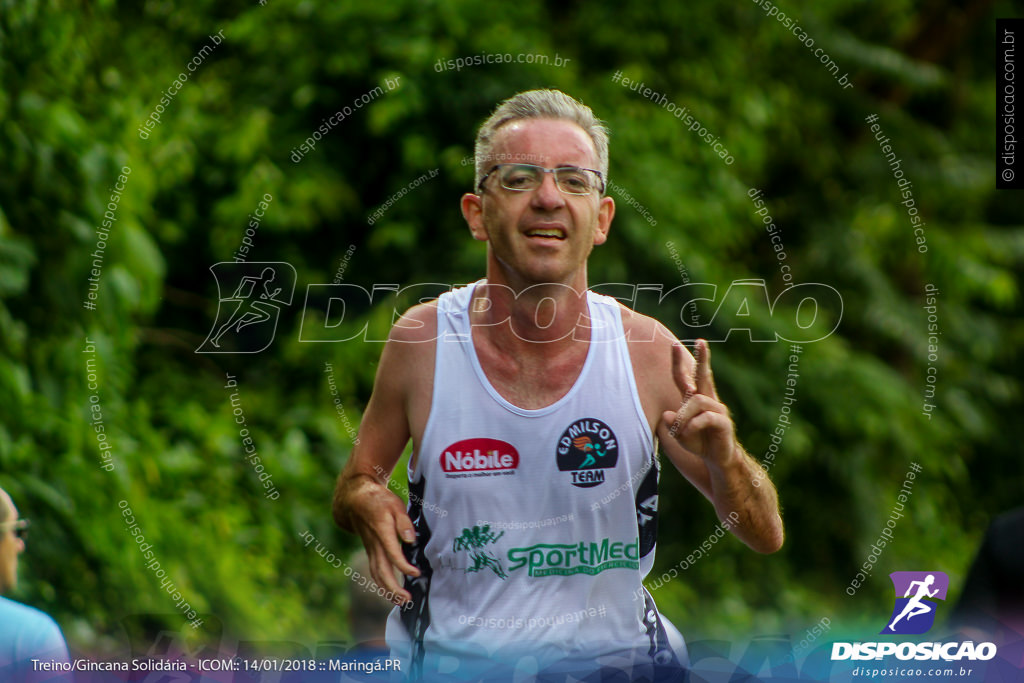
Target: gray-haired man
(529,400)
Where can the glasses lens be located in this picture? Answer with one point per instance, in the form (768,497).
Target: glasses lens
(21,528)
(521,177)
(572,180)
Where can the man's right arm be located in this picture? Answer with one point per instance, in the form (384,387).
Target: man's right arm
(363,504)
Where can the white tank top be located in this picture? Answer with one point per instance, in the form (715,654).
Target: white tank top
(535,528)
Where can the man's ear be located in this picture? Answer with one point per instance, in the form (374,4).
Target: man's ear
(473,212)
(605,214)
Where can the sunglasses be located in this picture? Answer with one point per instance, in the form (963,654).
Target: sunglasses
(19,527)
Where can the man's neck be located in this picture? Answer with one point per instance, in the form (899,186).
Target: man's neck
(545,317)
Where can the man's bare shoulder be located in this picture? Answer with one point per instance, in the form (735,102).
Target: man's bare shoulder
(417,327)
(644,333)
(650,350)
(407,362)
(406,370)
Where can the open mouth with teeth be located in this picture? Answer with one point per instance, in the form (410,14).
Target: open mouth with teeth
(547,233)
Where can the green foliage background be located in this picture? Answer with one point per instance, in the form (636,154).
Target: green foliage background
(78,79)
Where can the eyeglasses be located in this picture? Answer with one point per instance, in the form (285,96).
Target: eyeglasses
(528,177)
(20,527)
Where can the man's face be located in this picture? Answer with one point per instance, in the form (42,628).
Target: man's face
(10,546)
(543,235)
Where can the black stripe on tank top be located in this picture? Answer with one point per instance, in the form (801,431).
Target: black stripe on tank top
(417,618)
(646,502)
(663,657)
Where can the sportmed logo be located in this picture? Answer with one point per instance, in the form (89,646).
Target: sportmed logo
(561,559)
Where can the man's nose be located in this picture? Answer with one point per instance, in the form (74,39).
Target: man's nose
(548,196)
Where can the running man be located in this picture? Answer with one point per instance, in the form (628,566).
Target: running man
(508,388)
(916,605)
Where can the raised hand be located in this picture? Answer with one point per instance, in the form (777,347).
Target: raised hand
(701,424)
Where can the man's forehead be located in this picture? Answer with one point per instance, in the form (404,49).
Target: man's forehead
(544,141)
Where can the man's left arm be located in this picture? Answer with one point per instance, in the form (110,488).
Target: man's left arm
(699,438)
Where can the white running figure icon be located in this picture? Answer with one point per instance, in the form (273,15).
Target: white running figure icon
(915,606)
(249,311)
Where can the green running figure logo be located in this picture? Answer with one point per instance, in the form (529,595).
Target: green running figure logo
(474,540)
(584,444)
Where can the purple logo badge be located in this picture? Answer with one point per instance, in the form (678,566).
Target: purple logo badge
(916,592)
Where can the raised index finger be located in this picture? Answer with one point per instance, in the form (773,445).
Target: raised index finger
(679,371)
(705,378)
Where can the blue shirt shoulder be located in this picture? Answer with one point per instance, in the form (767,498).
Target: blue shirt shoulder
(26,634)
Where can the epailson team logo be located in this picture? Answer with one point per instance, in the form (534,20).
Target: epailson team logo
(585,450)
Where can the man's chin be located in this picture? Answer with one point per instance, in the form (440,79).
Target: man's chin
(549,278)
(548,273)
(539,271)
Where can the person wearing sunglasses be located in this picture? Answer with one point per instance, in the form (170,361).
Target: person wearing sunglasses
(25,632)
(535,409)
